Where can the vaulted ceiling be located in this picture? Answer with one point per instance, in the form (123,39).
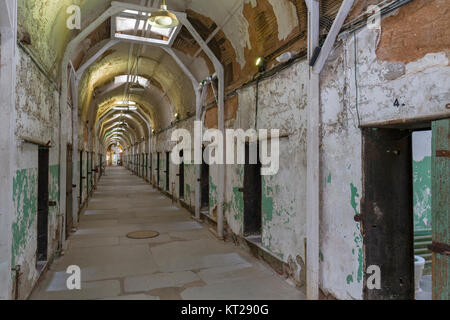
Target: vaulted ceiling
(237,31)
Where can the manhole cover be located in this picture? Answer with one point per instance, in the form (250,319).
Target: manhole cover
(146,234)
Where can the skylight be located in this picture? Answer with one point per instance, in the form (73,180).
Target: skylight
(138,79)
(123,27)
(126,103)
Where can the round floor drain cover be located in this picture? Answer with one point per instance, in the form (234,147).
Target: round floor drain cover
(145,234)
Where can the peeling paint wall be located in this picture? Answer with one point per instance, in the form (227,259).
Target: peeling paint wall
(281,105)
(422,180)
(421,88)
(37,117)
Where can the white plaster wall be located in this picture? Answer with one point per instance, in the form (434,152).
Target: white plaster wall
(422,89)
(7,115)
(38,118)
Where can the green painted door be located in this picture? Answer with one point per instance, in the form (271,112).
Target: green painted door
(440,190)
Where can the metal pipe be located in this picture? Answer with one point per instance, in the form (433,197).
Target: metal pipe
(221,119)
(198,167)
(313,160)
(17,275)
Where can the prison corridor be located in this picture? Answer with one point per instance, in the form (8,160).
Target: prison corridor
(184,262)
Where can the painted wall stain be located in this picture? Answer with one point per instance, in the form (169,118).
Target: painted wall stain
(266,203)
(25,203)
(329,178)
(349,278)
(357,235)
(212,194)
(422,194)
(354,196)
(238,204)
(188,190)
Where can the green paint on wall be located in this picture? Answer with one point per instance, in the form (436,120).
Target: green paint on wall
(238,204)
(354,196)
(357,235)
(360,265)
(266,203)
(349,278)
(321,256)
(25,203)
(212,193)
(188,190)
(422,194)
(329,178)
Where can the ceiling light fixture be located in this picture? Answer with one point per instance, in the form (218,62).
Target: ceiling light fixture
(163,18)
(261,64)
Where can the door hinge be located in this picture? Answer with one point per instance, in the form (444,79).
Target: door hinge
(440,248)
(52,203)
(443,153)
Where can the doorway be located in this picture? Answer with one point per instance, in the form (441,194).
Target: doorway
(69,191)
(252,191)
(88,174)
(394,208)
(92,171)
(167,171)
(80,197)
(151,167)
(158,169)
(181,176)
(146,167)
(387,211)
(204,184)
(43,206)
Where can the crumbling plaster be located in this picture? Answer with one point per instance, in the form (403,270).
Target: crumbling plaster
(421,88)
(37,117)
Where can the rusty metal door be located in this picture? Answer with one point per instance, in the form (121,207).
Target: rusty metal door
(387,211)
(167,171)
(88,173)
(80,197)
(252,191)
(181,176)
(158,169)
(204,183)
(440,190)
(92,171)
(43,205)
(151,167)
(69,191)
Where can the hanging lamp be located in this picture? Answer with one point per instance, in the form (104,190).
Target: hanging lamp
(163,18)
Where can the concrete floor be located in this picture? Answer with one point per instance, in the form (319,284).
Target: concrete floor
(185,262)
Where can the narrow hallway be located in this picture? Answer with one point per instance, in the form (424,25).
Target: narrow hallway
(184,262)
(289,149)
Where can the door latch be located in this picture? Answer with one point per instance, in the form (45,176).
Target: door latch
(440,248)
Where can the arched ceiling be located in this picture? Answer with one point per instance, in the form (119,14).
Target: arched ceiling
(237,31)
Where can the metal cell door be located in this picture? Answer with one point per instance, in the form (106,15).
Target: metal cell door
(387,211)
(69,191)
(440,190)
(252,192)
(43,206)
